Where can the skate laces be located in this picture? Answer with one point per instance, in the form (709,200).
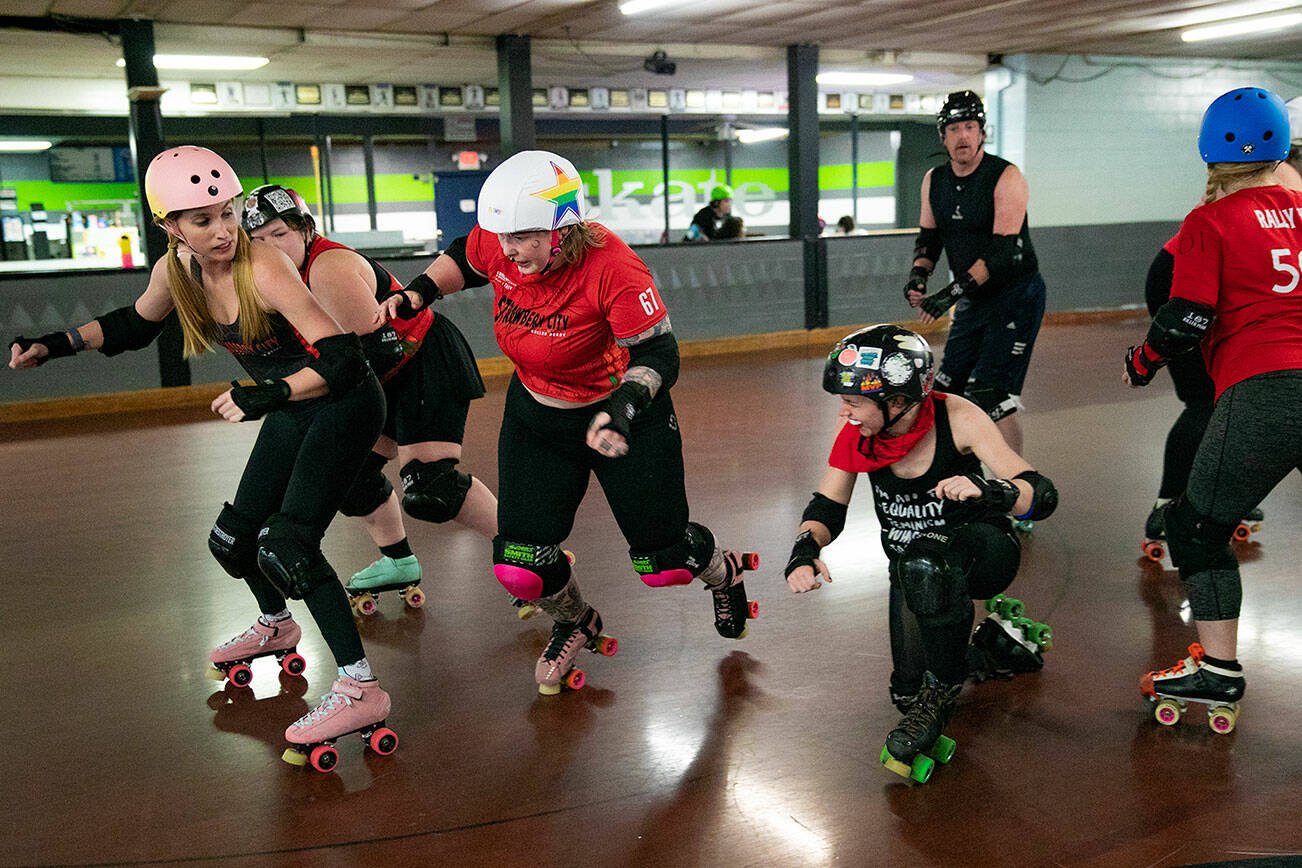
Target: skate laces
(1188,664)
(324,708)
(723,608)
(565,635)
(249,633)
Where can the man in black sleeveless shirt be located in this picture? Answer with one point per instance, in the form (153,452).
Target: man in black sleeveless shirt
(974,208)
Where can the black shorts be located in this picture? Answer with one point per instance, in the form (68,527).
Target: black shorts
(990,341)
(430,396)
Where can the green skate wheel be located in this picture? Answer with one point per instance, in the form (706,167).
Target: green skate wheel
(1040,634)
(1010,607)
(943,750)
(993,603)
(922,766)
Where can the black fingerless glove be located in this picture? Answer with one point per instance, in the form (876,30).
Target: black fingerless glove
(58,344)
(259,400)
(1142,364)
(917,281)
(623,404)
(943,299)
(999,494)
(428,290)
(803,552)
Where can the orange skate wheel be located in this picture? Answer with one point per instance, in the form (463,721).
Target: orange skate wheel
(383,741)
(293,664)
(240,675)
(750,561)
(575,679)
(752,609)
(1242,532)
(1153,551)
(607,646)
(324,757)
(414,597)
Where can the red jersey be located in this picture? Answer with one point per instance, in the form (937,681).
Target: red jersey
(559,328)
(1242,255)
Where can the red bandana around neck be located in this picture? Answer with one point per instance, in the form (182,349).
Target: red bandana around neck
(879,451)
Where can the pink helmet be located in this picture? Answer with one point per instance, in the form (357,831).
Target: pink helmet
(188,177)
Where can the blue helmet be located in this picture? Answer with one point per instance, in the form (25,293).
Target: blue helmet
(1246,125)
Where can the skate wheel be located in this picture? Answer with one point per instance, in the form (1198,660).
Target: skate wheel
(240,675)
(415,597)
(324,757)
(1153,551)
(383,741)
(366,604)
(943,750)
(893,764)
(752,609)
(1013,608)
(922,768)
(1167,712)
(607,646)
(1040,634)
(574,679)
(294,757)
(1222,720)
(1242,532)
(294,664)
(750,561)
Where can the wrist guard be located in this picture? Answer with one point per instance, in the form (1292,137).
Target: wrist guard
(57,344)
(258,400)
(426,288)
(998,494)
(803,553)
(943,299)
(1142,364)
(917,281)
(623,404)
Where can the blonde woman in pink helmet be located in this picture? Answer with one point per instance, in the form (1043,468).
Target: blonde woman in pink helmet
(322,409)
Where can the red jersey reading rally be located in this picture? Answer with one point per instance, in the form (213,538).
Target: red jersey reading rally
(1242,255)
(559,327)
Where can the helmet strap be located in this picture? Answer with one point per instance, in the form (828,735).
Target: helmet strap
(884,406)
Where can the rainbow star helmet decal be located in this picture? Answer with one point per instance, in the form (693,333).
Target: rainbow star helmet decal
(564,195)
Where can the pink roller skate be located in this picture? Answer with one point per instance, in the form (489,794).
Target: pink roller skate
(231,660)
(556,665)
(350,706)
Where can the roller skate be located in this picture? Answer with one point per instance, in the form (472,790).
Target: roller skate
(231,660)
(731,608)
(555,667)
(350,706)
(914,747)
(1007,643)
(386,574)
(1250,524)
(1154,542)
(1169,691)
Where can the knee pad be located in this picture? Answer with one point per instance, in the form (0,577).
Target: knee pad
(930,577)
(289,555)
(679,563)
(529,571)
(233,541)
(370,489)
(433,491)
(997,403)
(1200,548)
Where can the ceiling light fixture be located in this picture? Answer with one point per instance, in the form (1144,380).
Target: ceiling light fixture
(766,134)
(215,62)
(28,147)
(867,79)
(635,7)
(1242,27)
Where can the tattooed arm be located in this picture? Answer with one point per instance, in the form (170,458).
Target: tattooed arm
(652,366)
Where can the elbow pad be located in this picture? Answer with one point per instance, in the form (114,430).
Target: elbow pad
(1002,256)
(340,362)
(928,245)
(1044,496)
(125,329)
(1179,326)
(457,251)
(660,354)
(826,512)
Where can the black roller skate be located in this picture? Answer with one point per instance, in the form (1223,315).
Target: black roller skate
(1007,643)
(1169,691)
(731,608)
(1154,542)
(918,742)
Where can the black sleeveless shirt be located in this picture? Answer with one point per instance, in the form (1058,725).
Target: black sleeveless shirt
(964,209)
(907,507)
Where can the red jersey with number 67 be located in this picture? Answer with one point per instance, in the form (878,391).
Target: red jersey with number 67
(1242,255)
(560,327)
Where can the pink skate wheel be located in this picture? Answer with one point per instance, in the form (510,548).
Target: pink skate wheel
(1154,551)
(753,609)
(240,675)
(575,680)
(1242,532)
(415,598)
(607,646)
(1167,713)
(750,561)
(1221,720)
(293,664)
(383,741)
(324,757)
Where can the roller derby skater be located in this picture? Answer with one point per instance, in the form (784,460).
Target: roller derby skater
(579,315)
(1250,336)
(944,527)
(1006,642)
(429,377)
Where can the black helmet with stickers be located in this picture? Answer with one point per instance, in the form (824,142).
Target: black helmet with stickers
(272,201)
(880,362)
(962,105)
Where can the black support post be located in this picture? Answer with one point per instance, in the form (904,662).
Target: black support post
(802,157)
(368,156)
(515,88)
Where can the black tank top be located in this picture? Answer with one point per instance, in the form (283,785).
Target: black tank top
(964,209)
(907,507)
(274,357)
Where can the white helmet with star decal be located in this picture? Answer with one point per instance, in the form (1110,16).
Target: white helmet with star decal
(533,191)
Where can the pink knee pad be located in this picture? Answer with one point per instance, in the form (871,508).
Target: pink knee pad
(668,577)
(520,583)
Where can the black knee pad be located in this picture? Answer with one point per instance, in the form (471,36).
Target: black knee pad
(289,555)
(679,563)
(529,571)
(930,577)
(233,541)
(1200,548)
(433,491)
(370,489)
(997,403)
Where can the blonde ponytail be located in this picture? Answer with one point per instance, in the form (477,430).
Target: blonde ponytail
(1225,178)
(198,327)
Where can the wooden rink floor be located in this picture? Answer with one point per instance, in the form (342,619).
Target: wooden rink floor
(685,749)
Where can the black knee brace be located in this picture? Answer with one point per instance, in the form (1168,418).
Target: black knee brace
(370,489)
(997,403)
(289,555)
(233,541)
(679,563)
(529,571)
(1200,548)
(434,491)
(931,578)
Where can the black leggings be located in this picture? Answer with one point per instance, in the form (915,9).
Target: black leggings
(544,465)
(303,463)
(989,556)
